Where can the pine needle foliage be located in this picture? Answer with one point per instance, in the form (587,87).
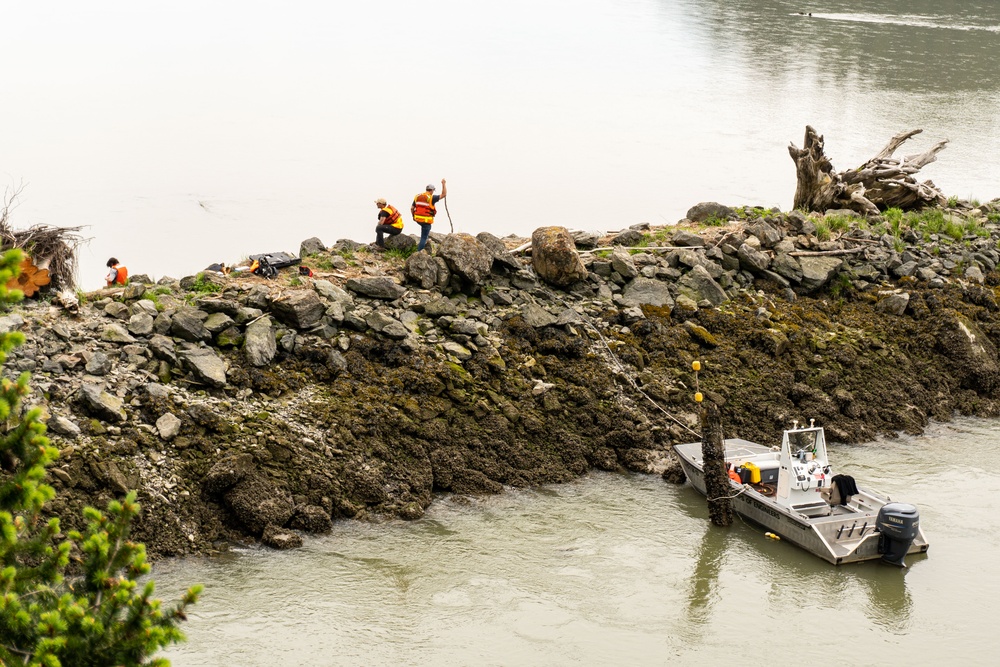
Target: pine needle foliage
(67,600)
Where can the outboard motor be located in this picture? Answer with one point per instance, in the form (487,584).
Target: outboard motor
(897,524)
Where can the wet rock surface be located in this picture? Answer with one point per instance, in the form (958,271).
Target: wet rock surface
(268,409)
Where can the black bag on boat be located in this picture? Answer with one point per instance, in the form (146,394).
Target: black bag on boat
(744,474)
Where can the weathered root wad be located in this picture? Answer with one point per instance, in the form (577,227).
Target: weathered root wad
(881,183)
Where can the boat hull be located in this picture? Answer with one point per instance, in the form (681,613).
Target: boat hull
(839,538)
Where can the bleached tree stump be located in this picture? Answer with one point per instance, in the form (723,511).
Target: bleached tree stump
(880,183)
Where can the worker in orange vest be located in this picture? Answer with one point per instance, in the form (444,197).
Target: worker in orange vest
(389,221)
(423,210)
(117,275)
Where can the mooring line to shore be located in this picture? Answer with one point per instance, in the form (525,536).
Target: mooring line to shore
(621,366)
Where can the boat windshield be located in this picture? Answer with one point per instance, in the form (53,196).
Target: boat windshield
(804,440)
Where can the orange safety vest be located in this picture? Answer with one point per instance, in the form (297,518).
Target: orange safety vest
(423,208)
(394,219)
(121,275)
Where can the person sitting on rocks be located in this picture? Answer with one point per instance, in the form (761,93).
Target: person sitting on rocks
(117,275)
(389,222)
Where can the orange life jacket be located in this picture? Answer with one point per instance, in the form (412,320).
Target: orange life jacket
(121,275)
(423,208)
(733,475)
(394,219)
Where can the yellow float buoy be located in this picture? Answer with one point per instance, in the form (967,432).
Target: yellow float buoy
(698,397)
(696,365)
(772,536)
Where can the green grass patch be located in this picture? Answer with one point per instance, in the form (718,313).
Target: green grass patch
(155,298)
(203,285)
(839,223)
(319,261)
(894,219)
(822,230)
(401,253)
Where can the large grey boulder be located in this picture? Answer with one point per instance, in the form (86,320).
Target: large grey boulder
(140,324)
(818,271)
(386,325)
(440,306)
(189,324)
(401,242)
(699,286)
(893,304)
(216,322)
(536,316)
(498,249)
(711,210)
(163,348)
(628,238)
(554,257)
(684,238)
(332,292)
(205,366)
(311,246)
(621,261)
(586,240)
(63,426)
(376,287)
(116,333)
(101,404)
(213,304)
(787,266)
(98,364)
(647,292)
(768,234)
(422,269)
(466,257)
(300,308)
(260,344)
(753,260)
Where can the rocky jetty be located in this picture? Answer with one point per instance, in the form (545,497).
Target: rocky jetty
(246,409)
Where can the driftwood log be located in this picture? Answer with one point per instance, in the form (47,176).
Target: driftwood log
(880,183)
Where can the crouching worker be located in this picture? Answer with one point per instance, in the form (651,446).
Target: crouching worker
(389,222)
(117,275)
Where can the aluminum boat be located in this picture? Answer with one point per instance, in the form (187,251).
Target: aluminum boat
(792,491)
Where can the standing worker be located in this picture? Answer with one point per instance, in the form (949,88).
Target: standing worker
(389,222)
(423,210)
(117,275)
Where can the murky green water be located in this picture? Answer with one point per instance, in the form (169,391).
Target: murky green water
(618,570)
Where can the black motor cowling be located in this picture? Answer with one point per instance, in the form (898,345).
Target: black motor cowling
(898,524)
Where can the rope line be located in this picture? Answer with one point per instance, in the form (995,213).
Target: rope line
(621,367)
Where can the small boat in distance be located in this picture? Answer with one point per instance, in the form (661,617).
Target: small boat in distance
(793,493)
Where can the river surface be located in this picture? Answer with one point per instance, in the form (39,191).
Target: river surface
(618,569)
(181,133)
